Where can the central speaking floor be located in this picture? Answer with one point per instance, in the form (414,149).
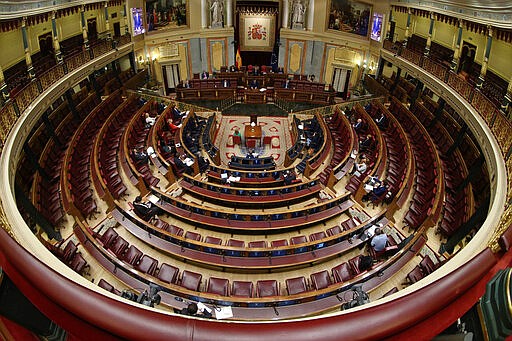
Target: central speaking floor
(277,128)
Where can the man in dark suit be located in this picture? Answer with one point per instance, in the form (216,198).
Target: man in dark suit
(145,210)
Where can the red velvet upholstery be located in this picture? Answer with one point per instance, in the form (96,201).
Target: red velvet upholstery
(193,236)
(219,286)
(267,288)
(105,285)
(234,242)
(505,240)
(390,292)
(321,280)
(78,263)
(132,255)
(296,285)
(69,251)
(213,240)
(342,273)
(163,225)
(427,265)
(354,265)
(334,230)
(298,240)
(118,247)
(415,275)
(242,289)
(147,265)
(108,237)
(280,242)
(237,140)
(191,280)
(258,244)
(317,236)
(168,273)
(251,143)
(178,231)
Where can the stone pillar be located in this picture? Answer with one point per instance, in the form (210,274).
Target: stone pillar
(56,45)
(429,37)
(286,9)
(4,92)
(380,68)
(310,15)
(204,13)
(456,51)
(408,26)
(506,100)
(84,28)
(26,47)
(388,26)
(483,70)
(229,13)
(107,24)
(125,17)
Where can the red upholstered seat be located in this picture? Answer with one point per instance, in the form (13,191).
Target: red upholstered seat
(354,265)
(108,237)
(317,236)
(415,275)
(298,240)
(119,246)
(213,240)
(106,285)
(427,265)
(132,255)
(78,263)
(280,242)
(234,242)
(334,230)
(193,236)
(177,231)
(242,289)
(390,292)
(237,139)
(219,286)
(342,273)
(191,280)
(267,288)
(258,244)
(147,265)
(69,251)
(296,285)
(321,280)
(167,273)
(163,225)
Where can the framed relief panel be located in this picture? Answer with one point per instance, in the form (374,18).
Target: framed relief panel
(257,31)
(349,17)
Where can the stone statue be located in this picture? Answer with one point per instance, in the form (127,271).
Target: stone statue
(298,11)
(217,10)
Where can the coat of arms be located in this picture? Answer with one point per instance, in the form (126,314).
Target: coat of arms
(257,32)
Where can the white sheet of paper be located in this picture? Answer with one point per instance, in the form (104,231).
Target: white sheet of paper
(223,313)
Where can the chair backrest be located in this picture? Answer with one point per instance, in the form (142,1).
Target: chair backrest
(321,280)
(168,273)
(191,280)
(219,286)
(296,285)
(242,289)
(266,288)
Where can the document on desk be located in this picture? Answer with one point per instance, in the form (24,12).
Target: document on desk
(223,312)
(153,198)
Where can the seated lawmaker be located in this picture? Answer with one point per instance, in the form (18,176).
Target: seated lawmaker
(145,210)
(254,84)
(379,240)
(140,157)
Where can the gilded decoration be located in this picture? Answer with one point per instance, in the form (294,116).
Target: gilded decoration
(506,220)
(502,129)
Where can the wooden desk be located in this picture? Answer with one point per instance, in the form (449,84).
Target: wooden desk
(252,133)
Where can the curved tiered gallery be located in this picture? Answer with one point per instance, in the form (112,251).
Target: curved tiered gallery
(255,169)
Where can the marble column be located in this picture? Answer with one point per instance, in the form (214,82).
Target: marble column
(286,9)
(483,70)
(125,19)
(508,98)
(107,24)
(429,37)
(4,92)
(229,13)
(26,47)
(204,14)
(84,28)
(456,51)
(310,15)
(407,27)
(56,44)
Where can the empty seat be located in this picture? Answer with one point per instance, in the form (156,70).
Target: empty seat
(317,236)
(108,237)
(69,252)
(390,292)
(266,288)
(242,289)
(415,275)
(258,244)
(342,273)
(354,265)
(219,286)
(234,242)
(78,263)
(193,235)
(105,285)
(298,240)
(427,265)
(132,255)
(213,240)
(119,246)
(168,273)
(296,285)
(147,265)
(334,231)
(177,231)
(191,280)
(278,243)
(321,280)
